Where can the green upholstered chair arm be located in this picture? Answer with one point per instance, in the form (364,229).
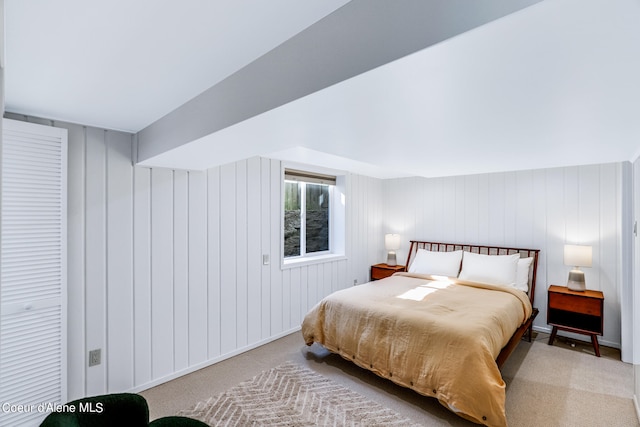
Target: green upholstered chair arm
(177,422)
(111,410)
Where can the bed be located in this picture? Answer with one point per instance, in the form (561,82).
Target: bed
(443,328)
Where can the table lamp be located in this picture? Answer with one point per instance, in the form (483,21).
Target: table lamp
(392,243)
(577,256)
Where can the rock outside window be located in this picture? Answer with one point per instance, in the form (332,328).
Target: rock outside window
(307,213)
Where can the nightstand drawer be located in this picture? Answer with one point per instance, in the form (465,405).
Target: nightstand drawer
(380,271)
(576,304)
(577,312)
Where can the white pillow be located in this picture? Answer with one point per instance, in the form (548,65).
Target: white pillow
(522,274)
(436,263)
(491,269)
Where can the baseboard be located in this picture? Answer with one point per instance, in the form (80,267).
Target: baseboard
(636,406)
(210,362)
(577,337)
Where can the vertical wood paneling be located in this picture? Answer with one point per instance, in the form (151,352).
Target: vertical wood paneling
(497,203)
(343,281)
(277,309)
(524,208)
(142,275)
(439,201)
(228,272)
(197,224)
(471,209)
(320,285)
(367,244)
(540,232)
(571,204)
(588,223)
(119,304)
(76,252)
(360,226)
(299,297)
(449,199)
(365,222)
(165,267)
(286,299)
(484,209)
(312,286)
(242,263)
(181,269)
(556,225)
(459,207)
(510,206)
(327,276)
(375,212)
(162,314)
(352,239)
(95,255)
(196,239)
(254,251)
(265,243)
(425,218)
(609,253)
(542,209)
(590,197)
(213,269)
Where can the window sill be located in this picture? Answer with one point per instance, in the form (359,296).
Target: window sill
(320,259)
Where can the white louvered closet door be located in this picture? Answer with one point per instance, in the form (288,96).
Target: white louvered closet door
(33,298)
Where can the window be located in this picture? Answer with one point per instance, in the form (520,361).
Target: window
(311,212)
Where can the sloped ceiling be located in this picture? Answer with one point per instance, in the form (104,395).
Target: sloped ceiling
(121,64)
(553,84)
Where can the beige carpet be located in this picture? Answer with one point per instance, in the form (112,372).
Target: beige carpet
(290,395)
(548,386)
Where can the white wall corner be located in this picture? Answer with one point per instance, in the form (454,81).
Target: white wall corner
(627,262)
(636,389)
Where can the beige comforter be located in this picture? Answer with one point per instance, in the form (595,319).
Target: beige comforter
(437,337)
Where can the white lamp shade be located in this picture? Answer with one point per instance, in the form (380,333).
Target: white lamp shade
(577,255)
(392,242)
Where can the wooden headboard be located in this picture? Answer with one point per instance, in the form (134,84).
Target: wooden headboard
(480,249)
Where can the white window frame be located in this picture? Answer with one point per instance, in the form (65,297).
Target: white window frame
(337,216)
(303,222)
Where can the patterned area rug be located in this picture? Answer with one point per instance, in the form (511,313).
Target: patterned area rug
(290,395)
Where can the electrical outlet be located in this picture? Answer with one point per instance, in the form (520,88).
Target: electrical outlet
(94,357)
(355,282)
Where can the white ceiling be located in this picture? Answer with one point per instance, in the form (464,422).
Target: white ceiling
(555,84)
(122,64)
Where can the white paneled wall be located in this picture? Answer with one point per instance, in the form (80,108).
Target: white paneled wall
(539,209)
(200,289)
(165,267)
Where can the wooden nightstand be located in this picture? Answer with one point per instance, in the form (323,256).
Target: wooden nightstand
(579,312)
(380,271)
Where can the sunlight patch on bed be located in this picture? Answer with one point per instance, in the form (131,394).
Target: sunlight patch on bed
(422,291)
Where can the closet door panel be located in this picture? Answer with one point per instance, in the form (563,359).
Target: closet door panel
(33,278)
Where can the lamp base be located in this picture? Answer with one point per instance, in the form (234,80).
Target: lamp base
(576,281)
(391,259)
